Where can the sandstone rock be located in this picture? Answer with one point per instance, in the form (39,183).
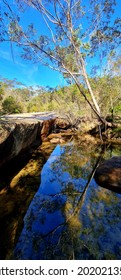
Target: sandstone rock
(46,128)
(19,131)
(54,135)
(15,137)
(57,140)
(62,123)
(108,174)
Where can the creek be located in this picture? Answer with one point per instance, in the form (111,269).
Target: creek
(70,216)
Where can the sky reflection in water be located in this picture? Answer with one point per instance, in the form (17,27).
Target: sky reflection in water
(71,217)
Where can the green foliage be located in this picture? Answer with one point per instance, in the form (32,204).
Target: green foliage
(1,93)
(63,100)
(118,108)
(10,105)
(108,92)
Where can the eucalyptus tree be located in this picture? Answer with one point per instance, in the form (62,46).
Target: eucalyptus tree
(75,34)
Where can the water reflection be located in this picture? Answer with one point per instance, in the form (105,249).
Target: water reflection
(71,217)
(21,179)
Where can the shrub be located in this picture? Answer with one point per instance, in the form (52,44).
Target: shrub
(11,106)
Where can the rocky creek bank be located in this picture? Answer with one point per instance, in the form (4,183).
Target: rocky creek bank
(19,132)
(21,164)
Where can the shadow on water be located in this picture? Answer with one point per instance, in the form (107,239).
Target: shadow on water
(71,217)
(19,181)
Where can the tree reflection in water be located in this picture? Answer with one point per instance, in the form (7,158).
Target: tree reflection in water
(71,217)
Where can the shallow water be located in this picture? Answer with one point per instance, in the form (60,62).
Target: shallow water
(71,217)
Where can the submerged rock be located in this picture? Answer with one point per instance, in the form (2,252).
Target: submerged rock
(108,174)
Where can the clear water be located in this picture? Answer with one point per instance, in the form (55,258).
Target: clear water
(71,217)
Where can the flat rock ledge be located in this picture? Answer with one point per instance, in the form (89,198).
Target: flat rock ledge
(19,131)
(108,174)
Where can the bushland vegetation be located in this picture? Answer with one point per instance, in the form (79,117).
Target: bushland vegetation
(17,98)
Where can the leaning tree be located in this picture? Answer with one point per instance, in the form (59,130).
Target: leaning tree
(76,32)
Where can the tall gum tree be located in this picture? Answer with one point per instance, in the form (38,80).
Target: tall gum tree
(76,31)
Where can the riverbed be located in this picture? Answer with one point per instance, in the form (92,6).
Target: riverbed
(52,208)
(70,216)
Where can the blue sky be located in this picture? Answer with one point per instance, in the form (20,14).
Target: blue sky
(26,72)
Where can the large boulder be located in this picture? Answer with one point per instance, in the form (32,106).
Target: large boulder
(15,137)
(108,174)
(19,131)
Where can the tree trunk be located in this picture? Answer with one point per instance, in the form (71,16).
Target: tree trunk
(89,87)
